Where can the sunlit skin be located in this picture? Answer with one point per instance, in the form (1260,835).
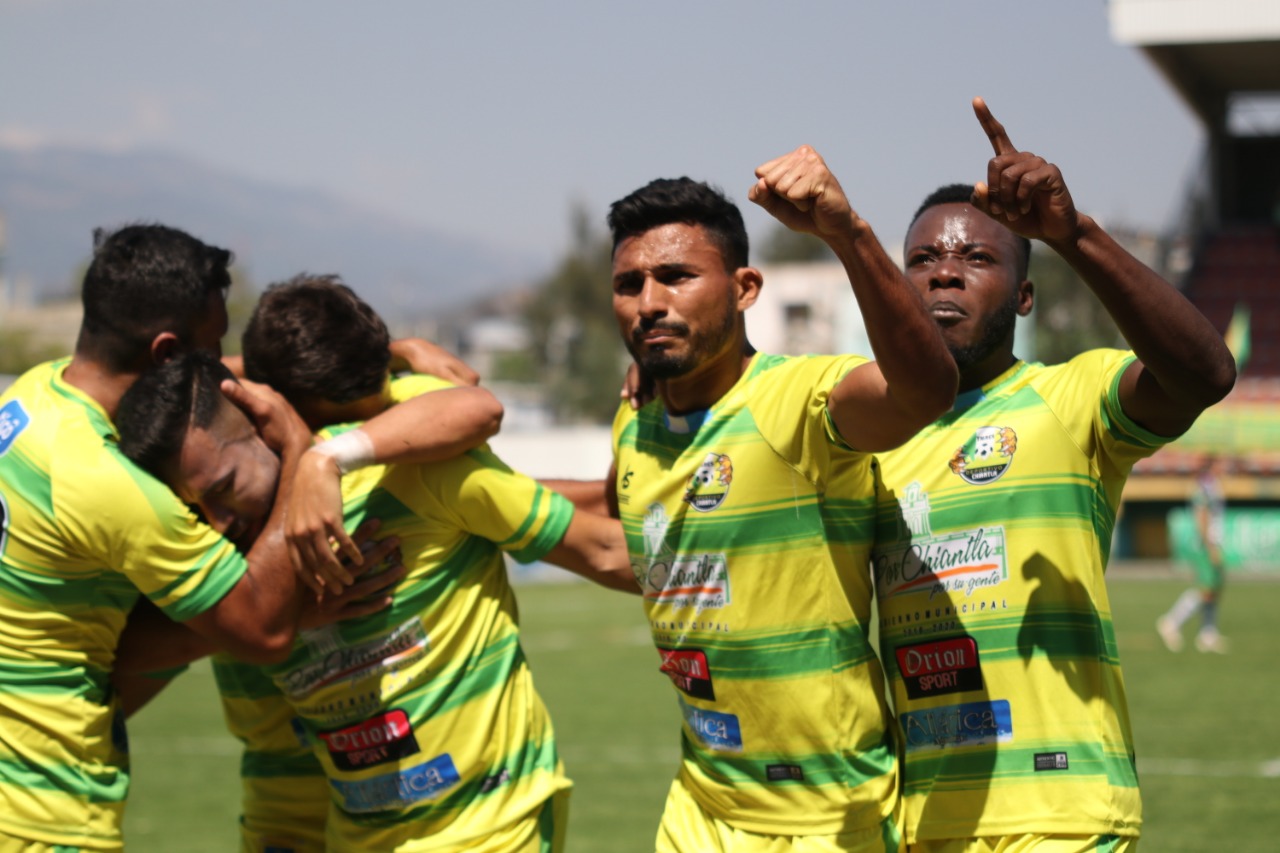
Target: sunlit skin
(229,474)
(965,265)
(680,313)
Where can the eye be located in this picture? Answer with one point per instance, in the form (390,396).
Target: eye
(919,259)
(980,258)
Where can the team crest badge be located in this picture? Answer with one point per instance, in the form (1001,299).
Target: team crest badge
(709,485)
(986,455)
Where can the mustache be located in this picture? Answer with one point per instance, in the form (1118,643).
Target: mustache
(670,327)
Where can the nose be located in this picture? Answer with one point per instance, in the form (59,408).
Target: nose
(946,273)
(653,298)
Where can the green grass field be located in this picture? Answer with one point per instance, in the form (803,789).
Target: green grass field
(1208,752)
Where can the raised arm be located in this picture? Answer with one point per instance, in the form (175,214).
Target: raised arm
(1183,364)
(913,380)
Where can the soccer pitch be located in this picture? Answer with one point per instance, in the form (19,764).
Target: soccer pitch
(1208,755)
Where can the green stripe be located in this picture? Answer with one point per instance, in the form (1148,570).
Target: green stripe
(238,680)
(255,764)
(740,771)
(64,681)
(792,654)
(559,515)
(976,769)
(27,481)
(65,594)
(110,785)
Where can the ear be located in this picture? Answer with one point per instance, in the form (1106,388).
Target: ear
(1026,297)
(747,282)
(164,347)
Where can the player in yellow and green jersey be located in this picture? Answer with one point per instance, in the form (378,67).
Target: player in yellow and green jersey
(994,524)
(746,496)
(423,715)
(86,534)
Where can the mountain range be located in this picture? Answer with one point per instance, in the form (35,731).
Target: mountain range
(52,199)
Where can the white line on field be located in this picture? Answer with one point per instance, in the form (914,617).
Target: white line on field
(1239,769)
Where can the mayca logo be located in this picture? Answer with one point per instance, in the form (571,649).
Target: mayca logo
(709,485)
(986,455)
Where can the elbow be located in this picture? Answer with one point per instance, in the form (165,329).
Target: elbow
(266,648)
(493,418)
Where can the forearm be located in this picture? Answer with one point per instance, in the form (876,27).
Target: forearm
(152,642)
(135,691)
(586,495)
(1176,344)
(595,548)
(433,427)
(919,373)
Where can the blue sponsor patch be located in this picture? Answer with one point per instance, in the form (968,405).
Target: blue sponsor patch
(398,790)
(970,724)
(713,729)
(13,420)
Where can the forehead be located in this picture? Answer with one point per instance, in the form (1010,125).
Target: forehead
(205,458)
(676,243)
(952,226)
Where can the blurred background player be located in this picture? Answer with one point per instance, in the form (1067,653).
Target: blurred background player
(993,525)
(1208,512)
(745,492)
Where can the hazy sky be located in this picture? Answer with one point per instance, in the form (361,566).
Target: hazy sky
(489,119)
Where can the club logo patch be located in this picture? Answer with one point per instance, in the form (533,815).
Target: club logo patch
(970,724)
(709,485)
(688,671)
(378,740)
(986,455)
(944,666)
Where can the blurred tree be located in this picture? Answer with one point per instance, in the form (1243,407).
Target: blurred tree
(1069,318)
(241,300)
(19,351)
(782,245)
(578,355)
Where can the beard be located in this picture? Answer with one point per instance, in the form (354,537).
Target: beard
(995,332)
(699,347)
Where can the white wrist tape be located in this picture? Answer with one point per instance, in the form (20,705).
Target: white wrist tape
(349,451)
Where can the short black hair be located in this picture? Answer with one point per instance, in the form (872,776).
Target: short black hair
(312,337)
(963,194)
(145,279)
(164,403)
(668,200)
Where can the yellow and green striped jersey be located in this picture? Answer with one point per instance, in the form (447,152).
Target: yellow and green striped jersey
(84,531)
(749,527)
(424,715)
(285,794)
(993,529)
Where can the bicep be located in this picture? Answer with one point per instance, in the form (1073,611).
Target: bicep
(1148,405)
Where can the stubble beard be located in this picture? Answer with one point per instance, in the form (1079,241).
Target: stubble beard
(700,347)
(997,329)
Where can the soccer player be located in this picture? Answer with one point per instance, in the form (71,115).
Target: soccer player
(85,533)
(994,524)
(745,492)
(1208,509)
(423,715)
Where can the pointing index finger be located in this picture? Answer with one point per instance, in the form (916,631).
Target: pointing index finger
(994,129)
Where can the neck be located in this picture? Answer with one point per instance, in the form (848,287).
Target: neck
(103,385)
(702,387)
(977,375)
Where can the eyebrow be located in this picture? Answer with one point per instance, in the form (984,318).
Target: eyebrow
(967,247)
(658,270)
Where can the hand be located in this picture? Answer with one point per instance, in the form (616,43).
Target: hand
(637,387)
(276,421)
(314,533)
(383,569)
(1023,192)
(422,356)
(800,192)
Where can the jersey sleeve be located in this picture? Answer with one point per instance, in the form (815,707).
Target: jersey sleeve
(488,499)
(412,385)
(148,535)
(790,409)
